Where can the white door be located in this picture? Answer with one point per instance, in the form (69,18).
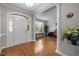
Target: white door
(17,30)
(10,32)
(20,29)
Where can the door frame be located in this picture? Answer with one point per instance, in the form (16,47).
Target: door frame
(19,14)
(59,30)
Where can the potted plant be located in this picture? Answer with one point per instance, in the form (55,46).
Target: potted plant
(72,34)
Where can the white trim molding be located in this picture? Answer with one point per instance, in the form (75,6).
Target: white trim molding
(16,44)
(1,36)
(59,52)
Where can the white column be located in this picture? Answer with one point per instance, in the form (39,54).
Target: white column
(58,25)
(0,29)
(0,19)
(34,29)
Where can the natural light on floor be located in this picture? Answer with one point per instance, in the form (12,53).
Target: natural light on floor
(38,46)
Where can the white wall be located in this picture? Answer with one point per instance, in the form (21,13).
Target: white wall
(4,11)
(65,46)
(52,24)
(52,19)
(0,25)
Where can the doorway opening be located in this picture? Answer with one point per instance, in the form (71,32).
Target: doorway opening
(46,26)
(46,23)
(17,29)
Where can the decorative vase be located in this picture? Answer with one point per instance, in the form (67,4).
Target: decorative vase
(74,39)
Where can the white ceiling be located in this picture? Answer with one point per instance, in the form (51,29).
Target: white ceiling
(23,6)
(41,10)
(36,6)
(48,14)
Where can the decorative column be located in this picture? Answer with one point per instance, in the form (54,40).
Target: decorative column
(58,26)
(34,29)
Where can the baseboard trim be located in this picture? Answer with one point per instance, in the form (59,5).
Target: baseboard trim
(59,52)
(15,44)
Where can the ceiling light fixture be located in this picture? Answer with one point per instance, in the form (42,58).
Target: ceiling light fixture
(29,4)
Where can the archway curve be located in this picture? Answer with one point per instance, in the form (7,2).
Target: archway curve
(28,19)
(19,14)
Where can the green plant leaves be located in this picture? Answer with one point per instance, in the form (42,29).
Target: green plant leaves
(68,33)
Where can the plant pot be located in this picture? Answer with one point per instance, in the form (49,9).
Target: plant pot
(74,40)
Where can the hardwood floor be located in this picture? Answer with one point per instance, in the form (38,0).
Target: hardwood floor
(44,46)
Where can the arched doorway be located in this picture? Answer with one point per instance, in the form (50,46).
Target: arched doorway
(17,28)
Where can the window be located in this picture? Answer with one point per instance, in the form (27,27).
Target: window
(10,25)
(39,26)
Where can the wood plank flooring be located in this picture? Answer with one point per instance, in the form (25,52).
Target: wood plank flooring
(44,46)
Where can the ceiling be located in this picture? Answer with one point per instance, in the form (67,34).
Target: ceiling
(48,14)
(23,6)
(20,5)
(36,6)
(41,10)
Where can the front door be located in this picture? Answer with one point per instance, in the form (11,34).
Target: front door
(20,29)
(17,32)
